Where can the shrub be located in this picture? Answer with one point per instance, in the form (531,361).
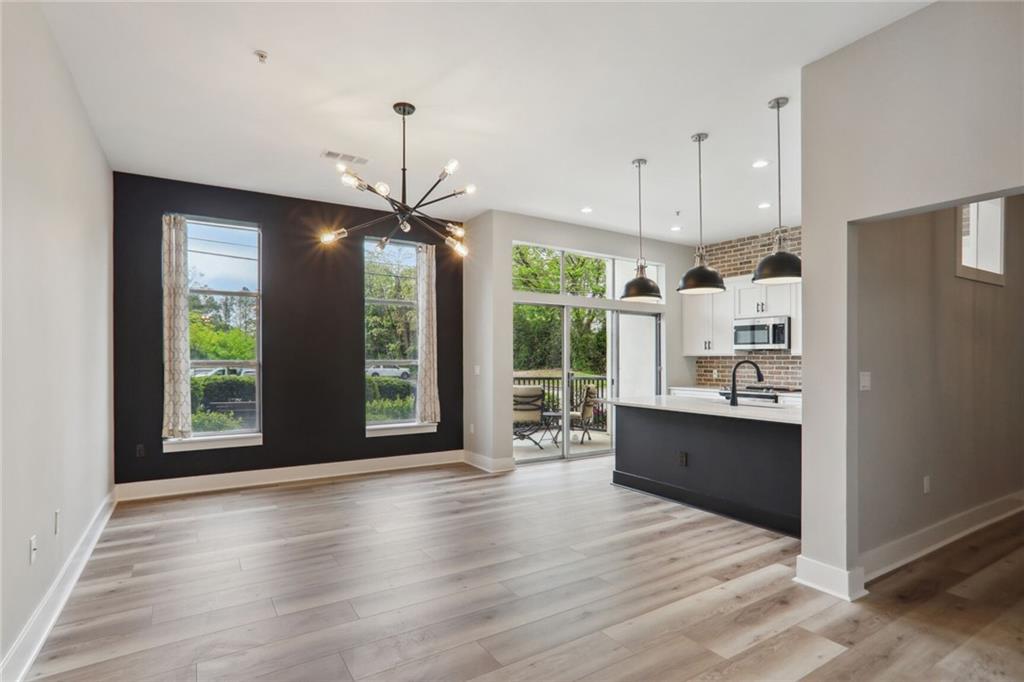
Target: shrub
(383,409)
(204,422)
(387,388)
(222,389)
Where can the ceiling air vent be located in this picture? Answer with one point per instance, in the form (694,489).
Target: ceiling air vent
(346,158)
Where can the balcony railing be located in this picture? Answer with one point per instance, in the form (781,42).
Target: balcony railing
(577,390)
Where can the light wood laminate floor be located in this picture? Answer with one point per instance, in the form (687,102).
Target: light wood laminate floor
(548,573)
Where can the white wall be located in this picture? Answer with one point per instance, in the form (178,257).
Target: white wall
(923,113)
(57,319)
(944,354)
(487,315)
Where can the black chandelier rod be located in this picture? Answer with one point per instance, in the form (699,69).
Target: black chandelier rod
(403,159)
(423,216)
(430,227)
(368,223)
(434,201)
(427,194)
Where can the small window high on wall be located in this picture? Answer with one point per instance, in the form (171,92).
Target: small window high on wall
(981,228)
(391,314)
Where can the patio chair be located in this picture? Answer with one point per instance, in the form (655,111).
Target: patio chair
(527,412)
(581,418)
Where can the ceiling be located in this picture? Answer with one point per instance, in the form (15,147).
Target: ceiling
(544,105)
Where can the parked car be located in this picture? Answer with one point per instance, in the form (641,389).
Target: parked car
(388,371)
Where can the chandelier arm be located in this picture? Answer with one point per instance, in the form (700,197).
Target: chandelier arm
(427,225)
(434,201)
(428,192)
(369,223)
(443,225)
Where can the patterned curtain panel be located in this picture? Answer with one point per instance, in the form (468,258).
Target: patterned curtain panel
(177,393)
(428,407)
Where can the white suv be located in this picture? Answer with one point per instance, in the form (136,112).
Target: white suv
(388,371)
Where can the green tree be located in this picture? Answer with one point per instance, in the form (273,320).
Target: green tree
(537,338)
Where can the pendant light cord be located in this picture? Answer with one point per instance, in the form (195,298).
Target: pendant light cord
(700,199)
(640,209)
(778,163)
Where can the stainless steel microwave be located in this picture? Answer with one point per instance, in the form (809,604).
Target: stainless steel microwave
(760,333)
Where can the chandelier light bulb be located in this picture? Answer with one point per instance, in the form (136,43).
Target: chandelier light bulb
(383,243)
(405,226)
(382,188)
(470,189)
(456,230)
(457,246)
(451,167)
(341,167)
(349,179)
(328,238)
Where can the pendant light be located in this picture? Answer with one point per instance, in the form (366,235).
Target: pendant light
(701,278)
(781,267)
(641,287)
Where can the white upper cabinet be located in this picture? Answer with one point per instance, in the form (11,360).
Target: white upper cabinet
(762,300)
(721,322)
(708,319)
(697,314)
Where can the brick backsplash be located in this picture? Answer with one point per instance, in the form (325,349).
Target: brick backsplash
(740,257)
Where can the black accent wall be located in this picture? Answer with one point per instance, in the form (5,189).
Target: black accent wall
(312,333)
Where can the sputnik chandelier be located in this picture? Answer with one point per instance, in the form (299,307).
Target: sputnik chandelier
(402,212)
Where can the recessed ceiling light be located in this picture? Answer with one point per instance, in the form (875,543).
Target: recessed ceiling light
(764,204)
(760,163)
(675,228)
(586,209)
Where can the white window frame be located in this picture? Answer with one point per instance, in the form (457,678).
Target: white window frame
(397,428)
(238,437)
(609,302)
(980,274)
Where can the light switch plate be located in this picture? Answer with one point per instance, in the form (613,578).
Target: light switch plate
(865,381)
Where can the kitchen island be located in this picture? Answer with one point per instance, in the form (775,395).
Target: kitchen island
(742,461)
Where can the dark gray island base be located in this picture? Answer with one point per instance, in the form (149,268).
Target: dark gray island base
(746,469)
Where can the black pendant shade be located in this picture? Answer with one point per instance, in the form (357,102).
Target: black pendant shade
(642,287)
(782,267)
(701,279)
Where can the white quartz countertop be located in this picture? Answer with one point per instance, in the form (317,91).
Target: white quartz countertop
(717,407)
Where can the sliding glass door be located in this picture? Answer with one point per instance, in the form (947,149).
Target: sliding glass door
(567,361)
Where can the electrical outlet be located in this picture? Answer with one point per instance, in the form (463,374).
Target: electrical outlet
(927,484)
(472,428)
(56,522)
(33,549)
(140,450)
(684,459)
(865,381)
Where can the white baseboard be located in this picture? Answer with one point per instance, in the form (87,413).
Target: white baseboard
(892,555)
(30,640)
(245,479)
(490,464)
(839,582)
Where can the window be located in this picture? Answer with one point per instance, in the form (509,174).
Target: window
(391,319)
(535,268)
(981,228)
(224,327)
(545,270)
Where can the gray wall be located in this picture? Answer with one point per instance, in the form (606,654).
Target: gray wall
(926,112)
(947,371)
(56,289)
